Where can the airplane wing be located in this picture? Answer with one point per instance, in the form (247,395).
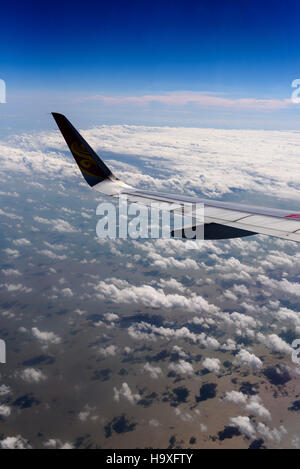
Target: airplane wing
(222,220)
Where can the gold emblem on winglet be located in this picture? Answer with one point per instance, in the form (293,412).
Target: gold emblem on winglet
(84,160)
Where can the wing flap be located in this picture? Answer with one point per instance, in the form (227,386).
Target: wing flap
(258,229)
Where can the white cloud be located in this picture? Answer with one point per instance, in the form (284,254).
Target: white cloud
(46,337)
(154,423)
(212,364)
(246,358)
(4,390)
(184,415)
(235,397)
(63,226)
(13,287)
(244,424)
(12,216)
(170,262)
(109,351)
(183,154)
(53,443)
(5,410)
(154,298)
(67,292)
(285,286)
(198,98)
(126,393)
(240,321)
(274,434)
(87,414)
(11,272)
(254,406)
(111,317)
(182,367)
(172,284)
(14,442)
(12,252)
(32,375)
(275,343)
(52,255)
(179,351)
(155,371)
(22,242)
(287,315)
(230,344)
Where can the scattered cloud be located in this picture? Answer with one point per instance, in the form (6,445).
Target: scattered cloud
(46,337)
(125,393)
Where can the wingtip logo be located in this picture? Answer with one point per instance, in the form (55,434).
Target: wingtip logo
(2,91)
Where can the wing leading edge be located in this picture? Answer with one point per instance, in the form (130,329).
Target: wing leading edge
(222,220)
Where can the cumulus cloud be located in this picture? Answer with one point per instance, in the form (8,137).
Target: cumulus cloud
(172,284)
(254,406)
(250,429)
(11,252)
(32,375)
(244,424)
(22,242)
(63,226)
(183,415)
(16,287)
(14,442)
(55,443)
(235,397)
(11,272)
(46,337)
(275,343)
(274,434)
(4,390)
(151,297)
(146,331)
(284,285)
(246,358)
(5,410)
(212,364)
(109,351)
(203,428)
(182,367)
(170,262)
(179,351)
(111,317)
(154,423)
(87,414)
(184,154)
(126,393)
(52,255)
(154,371)
(67,292)
(10,215)
(287,315)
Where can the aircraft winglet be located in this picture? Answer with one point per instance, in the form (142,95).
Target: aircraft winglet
(93,169)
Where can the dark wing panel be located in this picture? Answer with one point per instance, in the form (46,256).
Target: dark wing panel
(213,231)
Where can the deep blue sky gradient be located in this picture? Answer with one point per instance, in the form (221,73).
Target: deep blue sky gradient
(240,49)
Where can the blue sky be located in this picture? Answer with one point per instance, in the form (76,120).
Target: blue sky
(69,56)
